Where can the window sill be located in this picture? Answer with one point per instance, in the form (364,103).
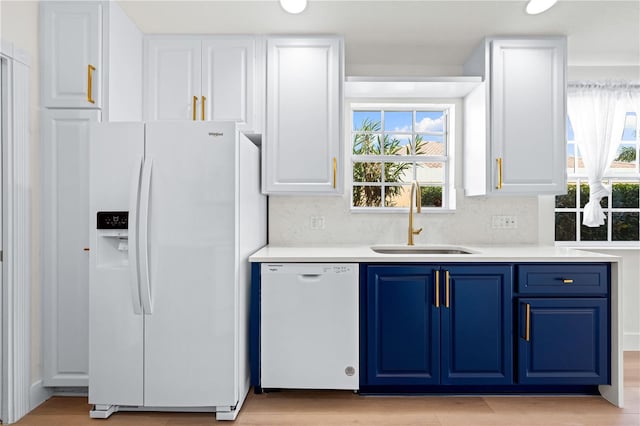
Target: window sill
(631,245)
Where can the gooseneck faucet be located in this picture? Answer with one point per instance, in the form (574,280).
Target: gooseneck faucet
(415,196)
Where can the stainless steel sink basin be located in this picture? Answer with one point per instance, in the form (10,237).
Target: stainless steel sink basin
(421,250)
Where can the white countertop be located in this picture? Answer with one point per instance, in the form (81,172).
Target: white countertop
(364,253)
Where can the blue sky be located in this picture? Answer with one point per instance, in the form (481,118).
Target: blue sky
(401,121)
(398,123)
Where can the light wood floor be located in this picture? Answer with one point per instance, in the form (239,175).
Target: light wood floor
(301,408)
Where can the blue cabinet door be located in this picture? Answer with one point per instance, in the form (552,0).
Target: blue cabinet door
(477,325)
(563,341)
(403,329)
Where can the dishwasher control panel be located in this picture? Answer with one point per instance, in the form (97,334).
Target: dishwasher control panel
(309,268)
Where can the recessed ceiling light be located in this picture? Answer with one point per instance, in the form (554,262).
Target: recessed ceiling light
(538,6)
(293,6)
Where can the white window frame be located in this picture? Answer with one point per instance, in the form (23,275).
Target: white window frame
(612,177)
(448,160)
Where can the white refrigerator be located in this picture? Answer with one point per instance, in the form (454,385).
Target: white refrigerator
(175,210)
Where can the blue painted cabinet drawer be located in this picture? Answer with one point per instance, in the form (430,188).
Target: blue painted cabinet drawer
(570,279)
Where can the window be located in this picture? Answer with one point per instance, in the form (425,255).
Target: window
(622,208)
(392,145)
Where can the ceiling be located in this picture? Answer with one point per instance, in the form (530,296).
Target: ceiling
(419,33)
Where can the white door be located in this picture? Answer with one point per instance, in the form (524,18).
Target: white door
(173,74)
(65,136)
(71,42)
(302,149)
(228,66)
(116,320)
(528,115)
(190,344)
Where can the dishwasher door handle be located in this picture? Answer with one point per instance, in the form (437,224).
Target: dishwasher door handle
(309,277)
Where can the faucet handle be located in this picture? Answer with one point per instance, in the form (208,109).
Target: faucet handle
(417,231)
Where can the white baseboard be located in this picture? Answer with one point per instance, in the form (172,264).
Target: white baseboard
(631,341)
(38,394)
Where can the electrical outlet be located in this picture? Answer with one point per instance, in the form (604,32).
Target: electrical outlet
(504,222)
(316,222)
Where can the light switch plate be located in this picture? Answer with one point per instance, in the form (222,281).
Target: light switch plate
(316,222)
(504,222)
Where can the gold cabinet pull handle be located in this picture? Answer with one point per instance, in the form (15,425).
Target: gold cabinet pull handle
(527,323)
(90,70)
(335,168)
(446,289)
(437,289)
(195,101)
(567,281)
(499,160)
(203,101)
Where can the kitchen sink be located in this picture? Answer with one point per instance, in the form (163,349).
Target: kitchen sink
(421,250)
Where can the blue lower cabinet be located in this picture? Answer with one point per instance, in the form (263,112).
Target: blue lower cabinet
(563,341)
(476,318)
(403,327)
(438,325)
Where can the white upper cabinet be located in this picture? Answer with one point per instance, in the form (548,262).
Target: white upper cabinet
(173,72)
(71,42)
(302,146)
(193,78)
(514,133)
(91,58)
(228,80)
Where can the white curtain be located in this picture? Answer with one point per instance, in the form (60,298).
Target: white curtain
(597,113)
(634,102)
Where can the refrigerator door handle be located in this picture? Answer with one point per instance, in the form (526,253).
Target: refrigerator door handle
(145,193)
(134,199)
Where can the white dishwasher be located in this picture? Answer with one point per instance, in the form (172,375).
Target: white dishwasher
(309,326)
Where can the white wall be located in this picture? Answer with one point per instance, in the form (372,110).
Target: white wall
(19,25)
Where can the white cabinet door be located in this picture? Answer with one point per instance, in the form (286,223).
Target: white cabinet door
(528,115)
(304,100)
(211,79)
(71,44)
(65,135)
(173,75)
(514,130)
(228,72)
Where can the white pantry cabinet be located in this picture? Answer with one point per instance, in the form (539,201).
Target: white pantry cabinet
(74,35)
(302,145)
(514,132)
(71,45)
(65,225)
(91,58)
(196,78)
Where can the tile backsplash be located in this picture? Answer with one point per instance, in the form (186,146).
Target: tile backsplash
(290,222)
